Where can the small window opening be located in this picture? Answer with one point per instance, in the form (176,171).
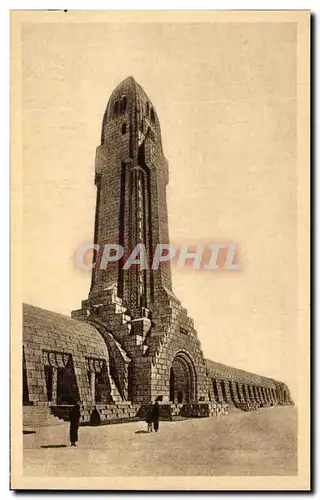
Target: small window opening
(116,107)
(124,128)
(152,116)
(123,104)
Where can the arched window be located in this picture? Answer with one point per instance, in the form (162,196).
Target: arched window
(224,392)
(147,108)
(232,395)
(238,391)
(116,108)
(215,389)
(123,104)
(244,391)
(124,128)
(152,116)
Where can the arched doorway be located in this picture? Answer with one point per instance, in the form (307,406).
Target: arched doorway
(182,379)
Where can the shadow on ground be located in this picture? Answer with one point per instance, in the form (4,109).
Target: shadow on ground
(53,446)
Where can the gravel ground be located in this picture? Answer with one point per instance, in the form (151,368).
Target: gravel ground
(262,443)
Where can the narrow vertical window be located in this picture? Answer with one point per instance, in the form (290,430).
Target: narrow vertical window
(215,390)
(123,104)
(116,108)
(224,392)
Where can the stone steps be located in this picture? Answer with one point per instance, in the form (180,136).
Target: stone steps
(219,409)
(113,413)
(247,406)
(37,416)
(120,412)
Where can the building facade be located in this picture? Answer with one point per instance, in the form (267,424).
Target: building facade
(131,341)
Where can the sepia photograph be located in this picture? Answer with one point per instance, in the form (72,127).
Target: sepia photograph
(160,166)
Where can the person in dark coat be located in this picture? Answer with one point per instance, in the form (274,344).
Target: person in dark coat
(155,416)
(74,418)
(95,417)
(149,419)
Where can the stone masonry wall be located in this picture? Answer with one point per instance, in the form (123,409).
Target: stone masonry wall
(235,386)
(48,335)
(173,333)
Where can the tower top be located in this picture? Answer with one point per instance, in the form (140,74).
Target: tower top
(129,97)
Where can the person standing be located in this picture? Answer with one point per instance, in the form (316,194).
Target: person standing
(155,416)
(74,418)
(149,419)
(95,417)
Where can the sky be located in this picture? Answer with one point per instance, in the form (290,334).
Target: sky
(225,94)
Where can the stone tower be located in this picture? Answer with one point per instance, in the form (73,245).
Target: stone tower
(131,177)
(156,345)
